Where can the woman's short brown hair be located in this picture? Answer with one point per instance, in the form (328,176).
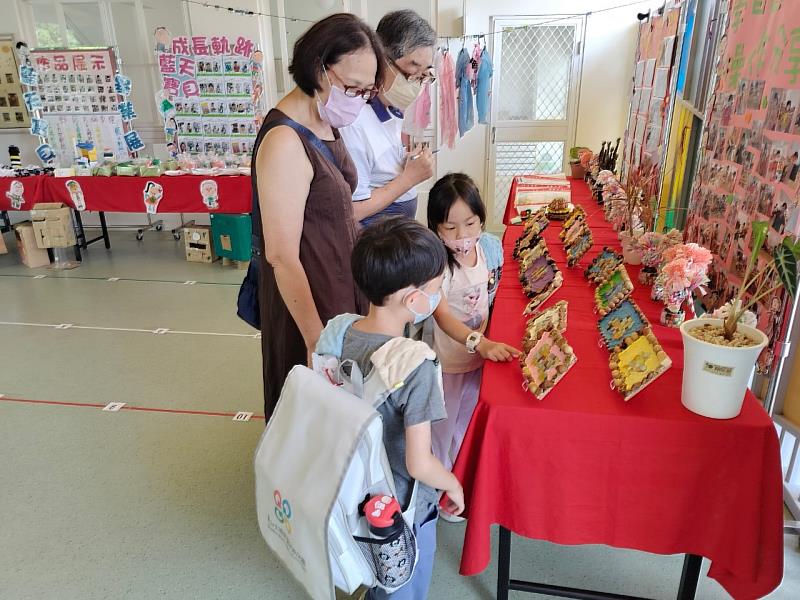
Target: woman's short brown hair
(325,42)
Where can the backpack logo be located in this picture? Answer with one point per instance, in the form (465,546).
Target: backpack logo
(283,511)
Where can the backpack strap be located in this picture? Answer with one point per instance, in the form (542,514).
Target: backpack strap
(311,137)
(393,363)
(331,339)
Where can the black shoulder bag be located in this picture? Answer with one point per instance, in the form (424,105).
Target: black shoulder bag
(247,307)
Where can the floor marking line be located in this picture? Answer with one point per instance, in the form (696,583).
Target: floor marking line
(160,330)
(126,407)
(115,279)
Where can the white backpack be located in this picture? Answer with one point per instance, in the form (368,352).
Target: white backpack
(322,455)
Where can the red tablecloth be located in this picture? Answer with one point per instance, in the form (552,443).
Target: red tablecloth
(585,467)
(126,194)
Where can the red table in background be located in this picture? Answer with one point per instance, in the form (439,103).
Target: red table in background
(584,467)
(126,194)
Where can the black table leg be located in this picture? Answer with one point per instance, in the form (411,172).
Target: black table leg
(689,577)
(688,586)
(5,221)
(105,230)
(503,564)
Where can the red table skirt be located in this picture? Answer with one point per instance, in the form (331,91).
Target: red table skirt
(584,467)
(181,194)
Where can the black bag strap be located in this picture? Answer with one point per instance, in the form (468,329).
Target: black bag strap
(312,138)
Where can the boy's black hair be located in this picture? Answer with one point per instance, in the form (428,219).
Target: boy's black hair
(326,42)
(396,253)
(444,194)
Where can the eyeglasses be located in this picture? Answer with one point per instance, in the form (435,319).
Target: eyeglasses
(352,91)
(421,78)
(355,92)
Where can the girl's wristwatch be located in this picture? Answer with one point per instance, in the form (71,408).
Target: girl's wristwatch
(473,339)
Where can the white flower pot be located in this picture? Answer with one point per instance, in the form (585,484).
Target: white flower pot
(715,377)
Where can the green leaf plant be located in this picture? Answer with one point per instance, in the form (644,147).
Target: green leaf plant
(783,262)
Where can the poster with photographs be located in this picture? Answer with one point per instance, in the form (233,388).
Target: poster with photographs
(13,113)
(78,98)
(750,165)
(215,86)
(653,85)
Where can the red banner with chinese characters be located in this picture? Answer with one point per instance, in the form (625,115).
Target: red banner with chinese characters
(750,169)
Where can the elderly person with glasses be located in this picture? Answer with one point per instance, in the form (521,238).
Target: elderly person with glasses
(388,172)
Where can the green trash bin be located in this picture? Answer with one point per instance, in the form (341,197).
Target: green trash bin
(231,234)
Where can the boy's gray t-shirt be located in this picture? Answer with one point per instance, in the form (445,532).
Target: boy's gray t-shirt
(418,401)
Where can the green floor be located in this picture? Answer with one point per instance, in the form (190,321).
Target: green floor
(152,504)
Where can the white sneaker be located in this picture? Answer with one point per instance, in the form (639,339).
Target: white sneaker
(449,517)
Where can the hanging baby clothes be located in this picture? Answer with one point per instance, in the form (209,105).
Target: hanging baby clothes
(466,112)
(448,123)
(418,114)
(476,65)
(484,86)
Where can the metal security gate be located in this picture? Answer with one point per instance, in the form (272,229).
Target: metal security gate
(537,67)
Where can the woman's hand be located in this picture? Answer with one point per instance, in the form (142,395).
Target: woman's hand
(419,165)
(497,351)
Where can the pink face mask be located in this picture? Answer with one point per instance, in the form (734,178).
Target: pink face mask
(340,110)
(463,246)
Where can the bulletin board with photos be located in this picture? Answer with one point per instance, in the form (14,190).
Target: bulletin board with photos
(750,167)
(80,101)
(216,86)
(13,113)
(653,88)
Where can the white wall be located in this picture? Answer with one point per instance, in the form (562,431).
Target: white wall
(608,54)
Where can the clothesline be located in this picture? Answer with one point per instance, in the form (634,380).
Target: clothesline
(466,36)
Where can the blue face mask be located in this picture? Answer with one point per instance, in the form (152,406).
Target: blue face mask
(433,302)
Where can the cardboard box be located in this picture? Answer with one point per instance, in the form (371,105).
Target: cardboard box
(32,256)
(52,222)
(3,248)
(198,244)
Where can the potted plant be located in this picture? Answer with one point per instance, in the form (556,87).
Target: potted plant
(719,354)
(631,213)
(576,163)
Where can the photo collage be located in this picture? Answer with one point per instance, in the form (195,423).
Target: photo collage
(650,101)
(214,88)
(750,172)
(13,112)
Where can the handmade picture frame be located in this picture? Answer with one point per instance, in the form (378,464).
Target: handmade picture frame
(525,242)
(528,255)
(537,222)
(579,247)
(547,362)
(579,229)
(602,265)
(571,231)
(577,212)
(637,365)
(554,318)
(613,291)
(623,325)
(540,281)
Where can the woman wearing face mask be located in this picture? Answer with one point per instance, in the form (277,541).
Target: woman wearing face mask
(387,175)
(303,180)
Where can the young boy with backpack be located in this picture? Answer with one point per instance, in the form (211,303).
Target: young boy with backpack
(399,264)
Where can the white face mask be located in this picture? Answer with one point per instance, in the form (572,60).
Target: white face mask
(402,91)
